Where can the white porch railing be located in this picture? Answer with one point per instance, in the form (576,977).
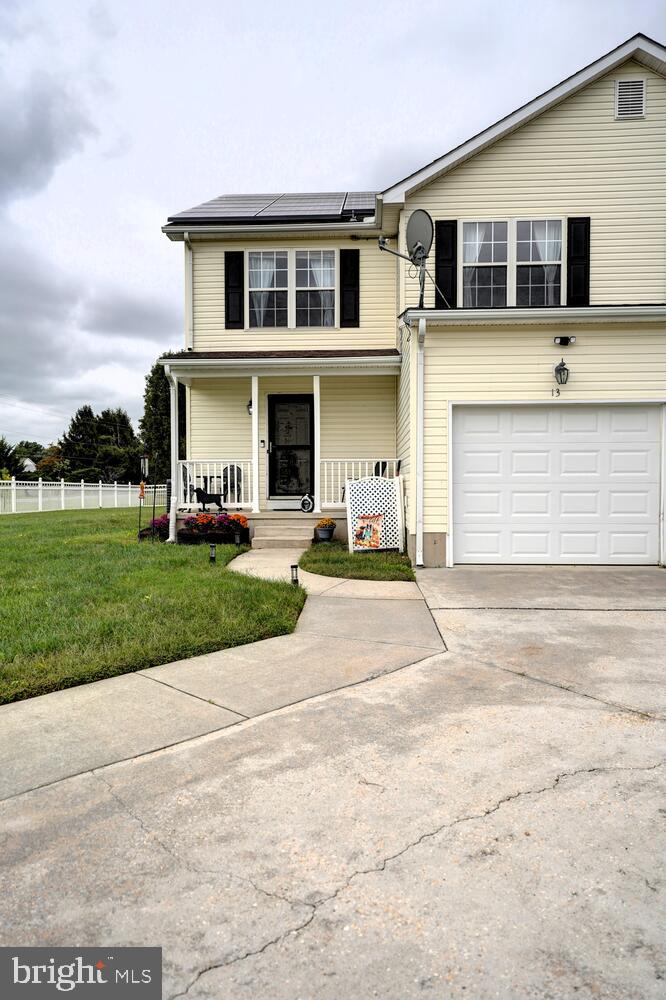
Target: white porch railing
(334,473)
(26,496)
(231,478)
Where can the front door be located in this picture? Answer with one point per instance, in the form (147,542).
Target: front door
(290,446)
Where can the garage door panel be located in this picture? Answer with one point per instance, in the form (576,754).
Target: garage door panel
(561,484)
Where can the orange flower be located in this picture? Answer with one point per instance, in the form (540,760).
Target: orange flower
(242,520)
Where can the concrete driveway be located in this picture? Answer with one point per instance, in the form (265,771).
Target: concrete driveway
(489,821)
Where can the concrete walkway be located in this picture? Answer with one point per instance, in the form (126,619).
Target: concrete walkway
(349,631)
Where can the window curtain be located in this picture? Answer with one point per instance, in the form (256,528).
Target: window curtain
(262,275)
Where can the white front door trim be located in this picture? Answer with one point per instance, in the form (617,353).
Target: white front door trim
(552,402)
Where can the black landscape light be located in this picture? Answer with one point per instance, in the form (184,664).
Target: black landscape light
(213,554)
(561,373)
(237,537)
(294,574)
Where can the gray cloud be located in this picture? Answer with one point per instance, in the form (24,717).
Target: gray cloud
(118,314)
(41,125)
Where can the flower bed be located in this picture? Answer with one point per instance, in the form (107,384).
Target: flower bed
(200,528)
(219,528)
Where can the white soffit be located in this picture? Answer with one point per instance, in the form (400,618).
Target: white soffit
(644,50)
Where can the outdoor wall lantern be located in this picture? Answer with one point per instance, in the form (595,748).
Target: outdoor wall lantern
(249,407)
(561,373)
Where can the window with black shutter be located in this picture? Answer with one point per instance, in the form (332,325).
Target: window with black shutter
(234,291)
(578,262)
(349,288)
(446,264)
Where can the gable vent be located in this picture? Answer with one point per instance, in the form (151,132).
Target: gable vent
(630,99)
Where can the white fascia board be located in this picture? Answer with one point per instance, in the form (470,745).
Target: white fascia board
(552,316)
(640,48)
(231,367)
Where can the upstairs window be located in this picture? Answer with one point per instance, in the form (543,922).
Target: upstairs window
(538,262)
(629,99)
(484,264)
(315,287)
(268,281)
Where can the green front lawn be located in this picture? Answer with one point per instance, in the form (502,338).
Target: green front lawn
(81,599)
(335,559)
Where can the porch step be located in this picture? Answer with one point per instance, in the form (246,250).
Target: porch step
(282,541)
(284,529)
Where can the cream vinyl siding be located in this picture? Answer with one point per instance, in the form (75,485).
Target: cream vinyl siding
(219,424)
(576,159)
(358,416)
(378,302)
(606,363)
(404,426)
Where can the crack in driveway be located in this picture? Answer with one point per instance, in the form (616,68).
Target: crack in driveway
(388,859)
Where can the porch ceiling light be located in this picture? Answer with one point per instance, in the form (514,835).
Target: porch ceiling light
(561,373)
(249,407)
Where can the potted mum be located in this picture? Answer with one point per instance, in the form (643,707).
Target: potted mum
(324,529)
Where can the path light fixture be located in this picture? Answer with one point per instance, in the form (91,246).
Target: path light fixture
(249,407)
(213,554)
(237,537)
(294,574)
(561,373)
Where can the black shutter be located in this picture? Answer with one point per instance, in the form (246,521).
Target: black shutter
(578,262)
(446,264)
(349,288)
(234,293)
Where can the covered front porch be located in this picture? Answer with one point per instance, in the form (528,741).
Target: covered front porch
(264,430)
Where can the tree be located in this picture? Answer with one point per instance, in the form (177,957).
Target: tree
(119,449)
(80,444)
(52,465)
(156,421)
(9,460)
(30,449)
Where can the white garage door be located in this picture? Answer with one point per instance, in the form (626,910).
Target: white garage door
(556,484)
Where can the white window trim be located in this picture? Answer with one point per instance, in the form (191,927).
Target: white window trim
(291,290)
(511,262)
(246,280)
(616,93)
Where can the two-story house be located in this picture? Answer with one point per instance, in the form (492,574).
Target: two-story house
(308,361)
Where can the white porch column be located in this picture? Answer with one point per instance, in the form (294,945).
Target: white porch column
(175,483)
(317,443)
(255,443)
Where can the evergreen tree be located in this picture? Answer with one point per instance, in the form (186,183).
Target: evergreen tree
(119,451)
(9,460)
(80,445)
(156,420)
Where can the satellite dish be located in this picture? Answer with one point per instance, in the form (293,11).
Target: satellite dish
(420,232)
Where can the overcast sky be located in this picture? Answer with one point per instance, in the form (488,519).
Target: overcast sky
(117,113)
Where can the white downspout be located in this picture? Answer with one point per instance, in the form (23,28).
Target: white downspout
(420,408)
(175,485)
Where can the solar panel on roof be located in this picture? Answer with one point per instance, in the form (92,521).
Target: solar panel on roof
(263,207)
(307,204)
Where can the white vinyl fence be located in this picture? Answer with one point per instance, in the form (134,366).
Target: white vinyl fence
(21,496)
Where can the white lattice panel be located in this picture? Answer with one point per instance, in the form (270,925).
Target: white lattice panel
(367,498)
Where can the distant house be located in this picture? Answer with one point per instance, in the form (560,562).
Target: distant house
(308,362)
(29,465)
